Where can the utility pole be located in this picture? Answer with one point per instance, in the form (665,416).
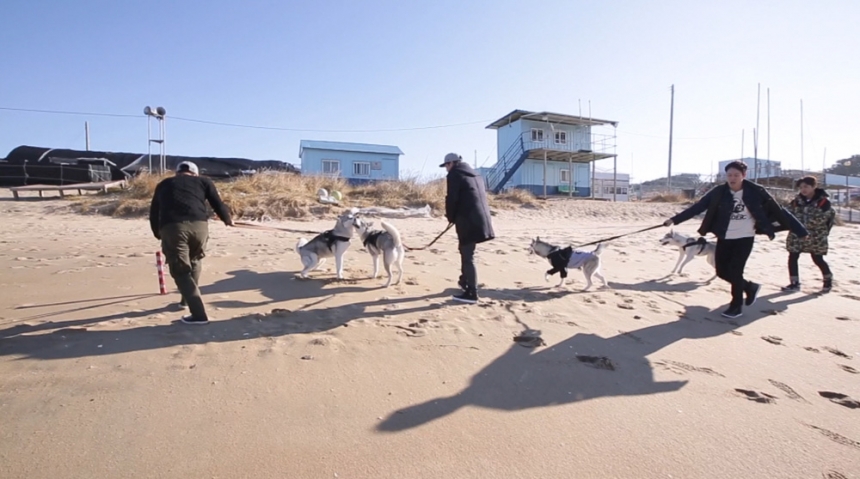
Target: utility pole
(801,137)
(755,133)
(87,133)
(671,121)
(768,123)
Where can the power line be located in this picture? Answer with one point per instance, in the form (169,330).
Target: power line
(61,112)
(307,130)
(239,125)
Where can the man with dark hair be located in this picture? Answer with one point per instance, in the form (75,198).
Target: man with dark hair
(466,207)
(735,212)
(179,218)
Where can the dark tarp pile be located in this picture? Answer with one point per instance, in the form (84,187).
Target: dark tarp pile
(29,165)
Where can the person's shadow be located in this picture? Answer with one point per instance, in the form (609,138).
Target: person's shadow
(582,367)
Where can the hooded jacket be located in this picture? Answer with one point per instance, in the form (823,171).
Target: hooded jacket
(817,215)
(717,204)
(466,205)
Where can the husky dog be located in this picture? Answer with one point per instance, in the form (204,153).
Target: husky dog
(385,242)
(333,242)
(688,249)
(563,259)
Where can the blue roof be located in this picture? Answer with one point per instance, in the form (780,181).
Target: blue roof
(343,146)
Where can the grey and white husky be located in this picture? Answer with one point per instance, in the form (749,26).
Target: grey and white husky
(688,249)
(385,242)
(563,259)
(333,242)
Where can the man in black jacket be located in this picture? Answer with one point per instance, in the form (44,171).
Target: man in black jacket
(179,218)
(735,212)
(467,208)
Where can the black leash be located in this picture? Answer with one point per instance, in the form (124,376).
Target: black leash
(604,240)
(434,239)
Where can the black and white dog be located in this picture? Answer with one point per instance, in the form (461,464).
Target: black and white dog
(563,259)
(333,242)
(385,242)
(688,249)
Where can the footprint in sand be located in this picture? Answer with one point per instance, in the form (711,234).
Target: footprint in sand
(776,340)
(675,366)
(835,437)
(845,318)
(834,475)
(762,398)
(836,352)
(791,393)
(840,399)
(848,369)
(811,349)
(598,362)
(630,335)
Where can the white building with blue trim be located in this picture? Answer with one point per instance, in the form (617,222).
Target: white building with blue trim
(355,162)
(548,152)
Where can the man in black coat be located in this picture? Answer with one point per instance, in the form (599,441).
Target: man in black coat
(467,208)
(179,218)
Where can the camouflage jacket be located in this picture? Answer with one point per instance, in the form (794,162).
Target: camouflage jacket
(817,216)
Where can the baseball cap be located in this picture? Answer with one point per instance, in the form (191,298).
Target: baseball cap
(451,158)
(187,166)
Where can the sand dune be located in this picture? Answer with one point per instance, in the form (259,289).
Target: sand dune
(320,379)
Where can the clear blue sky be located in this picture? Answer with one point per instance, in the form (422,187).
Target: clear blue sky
(347,65)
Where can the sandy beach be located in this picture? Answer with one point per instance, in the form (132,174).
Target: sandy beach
(324,379)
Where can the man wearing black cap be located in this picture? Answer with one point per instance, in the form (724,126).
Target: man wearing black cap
(466,207)
(179,218)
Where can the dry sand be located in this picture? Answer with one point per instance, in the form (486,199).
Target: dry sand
(348,380)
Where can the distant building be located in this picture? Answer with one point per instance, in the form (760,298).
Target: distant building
(606,182)
(756,169)
(355,162)
(544,148)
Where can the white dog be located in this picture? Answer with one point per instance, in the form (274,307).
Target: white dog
(333,242)
(688,249)
(385,242)
(563,259)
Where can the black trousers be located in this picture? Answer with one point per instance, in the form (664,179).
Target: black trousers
(468,273)
(731,258)
(816,258)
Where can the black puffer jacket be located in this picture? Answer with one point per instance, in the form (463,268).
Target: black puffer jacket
(466,205)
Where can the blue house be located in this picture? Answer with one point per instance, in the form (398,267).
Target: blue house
(548,153)
(355,162)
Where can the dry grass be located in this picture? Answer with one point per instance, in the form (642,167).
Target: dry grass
(279,195)
(668,198)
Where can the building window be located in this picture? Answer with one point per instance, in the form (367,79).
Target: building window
(561,137)
(361,168)
(331,167)
(565,176)
(537,134)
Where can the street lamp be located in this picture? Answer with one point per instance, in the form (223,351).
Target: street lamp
(159,114)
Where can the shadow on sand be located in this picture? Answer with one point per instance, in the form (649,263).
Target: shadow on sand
(582,367)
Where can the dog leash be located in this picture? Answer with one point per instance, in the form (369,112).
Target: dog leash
(252,226)
(604,240)
(434,239)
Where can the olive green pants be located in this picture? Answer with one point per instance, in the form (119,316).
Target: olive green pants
(184,247)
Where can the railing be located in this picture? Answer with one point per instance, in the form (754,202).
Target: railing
(599,144)
(52,174)
(504,164)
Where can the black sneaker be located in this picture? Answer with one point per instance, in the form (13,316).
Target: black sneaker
(462,284)
(791,287)
(469,297)
(188,319)
(828,285)
(732,312)
(752,294)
